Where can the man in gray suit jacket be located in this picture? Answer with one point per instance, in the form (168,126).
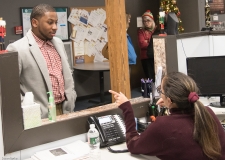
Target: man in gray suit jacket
(43,64)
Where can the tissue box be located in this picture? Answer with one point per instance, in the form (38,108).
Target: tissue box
(31,116)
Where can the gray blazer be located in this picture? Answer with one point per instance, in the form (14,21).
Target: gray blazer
(34,76)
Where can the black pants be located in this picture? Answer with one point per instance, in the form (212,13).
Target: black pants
(148,67)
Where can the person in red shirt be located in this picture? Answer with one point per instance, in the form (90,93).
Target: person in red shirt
(145,43)
(190,131)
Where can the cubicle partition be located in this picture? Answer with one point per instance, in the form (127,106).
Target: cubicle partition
(171,51)
(11,112)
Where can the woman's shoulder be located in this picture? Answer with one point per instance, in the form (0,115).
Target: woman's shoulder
(209,110)
(166,118)
(161,122)
(141,30)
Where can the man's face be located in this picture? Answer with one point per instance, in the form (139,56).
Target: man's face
(45,27)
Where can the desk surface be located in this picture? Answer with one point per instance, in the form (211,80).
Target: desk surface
(98,66)
(218,111)
(105,154)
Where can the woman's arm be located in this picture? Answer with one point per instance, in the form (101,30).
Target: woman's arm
(145,143)
(143,40)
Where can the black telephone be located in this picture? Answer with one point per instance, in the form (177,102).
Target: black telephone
(111,129)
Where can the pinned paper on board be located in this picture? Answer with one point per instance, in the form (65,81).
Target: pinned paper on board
(79,51)
(79,48)
(88,28)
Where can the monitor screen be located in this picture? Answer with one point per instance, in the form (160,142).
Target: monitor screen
(172,24)
(209,74)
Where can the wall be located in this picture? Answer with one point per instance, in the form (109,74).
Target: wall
(136,8)
(201,5)
(193,14)
(13,17)
(83,81)
(190,14)
(201,11)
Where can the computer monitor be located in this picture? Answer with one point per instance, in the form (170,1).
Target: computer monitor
(209,74)
(172,24)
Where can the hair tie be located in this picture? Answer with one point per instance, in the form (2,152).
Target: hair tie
(193,97)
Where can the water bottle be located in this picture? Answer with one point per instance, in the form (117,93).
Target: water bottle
(94,143)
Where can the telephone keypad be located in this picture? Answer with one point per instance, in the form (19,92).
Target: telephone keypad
(110,131)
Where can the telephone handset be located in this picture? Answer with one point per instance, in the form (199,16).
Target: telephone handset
(111,129)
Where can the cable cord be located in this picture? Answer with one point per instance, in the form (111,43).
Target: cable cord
(116,151)
(183,48)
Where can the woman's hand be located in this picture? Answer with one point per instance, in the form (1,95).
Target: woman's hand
(119,97)
(160,102)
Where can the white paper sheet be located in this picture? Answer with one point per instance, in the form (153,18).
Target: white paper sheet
(99,57)
(104,34)
(79,48)
(94,18)
(103,15)
(139,22)
(99,45)
(87,48)
(74,17)
(81,32)
(84,17)
(68,152)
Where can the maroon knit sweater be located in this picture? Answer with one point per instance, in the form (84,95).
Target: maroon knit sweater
(169,137)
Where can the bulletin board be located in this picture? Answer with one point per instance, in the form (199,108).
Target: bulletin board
(86,57)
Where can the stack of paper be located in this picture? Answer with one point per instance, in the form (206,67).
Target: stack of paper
(75,150)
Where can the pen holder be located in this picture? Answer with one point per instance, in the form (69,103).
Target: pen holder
(146,89)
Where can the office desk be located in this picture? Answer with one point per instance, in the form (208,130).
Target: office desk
(100,67)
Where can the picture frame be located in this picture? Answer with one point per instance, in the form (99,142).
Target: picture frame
(63,26)
(69,51)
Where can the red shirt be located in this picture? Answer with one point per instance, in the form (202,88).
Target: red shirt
(169,137)
(144,37)
(54,65)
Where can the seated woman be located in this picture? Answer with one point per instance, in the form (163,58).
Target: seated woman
(191,131)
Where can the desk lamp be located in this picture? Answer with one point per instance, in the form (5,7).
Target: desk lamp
(2,35)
